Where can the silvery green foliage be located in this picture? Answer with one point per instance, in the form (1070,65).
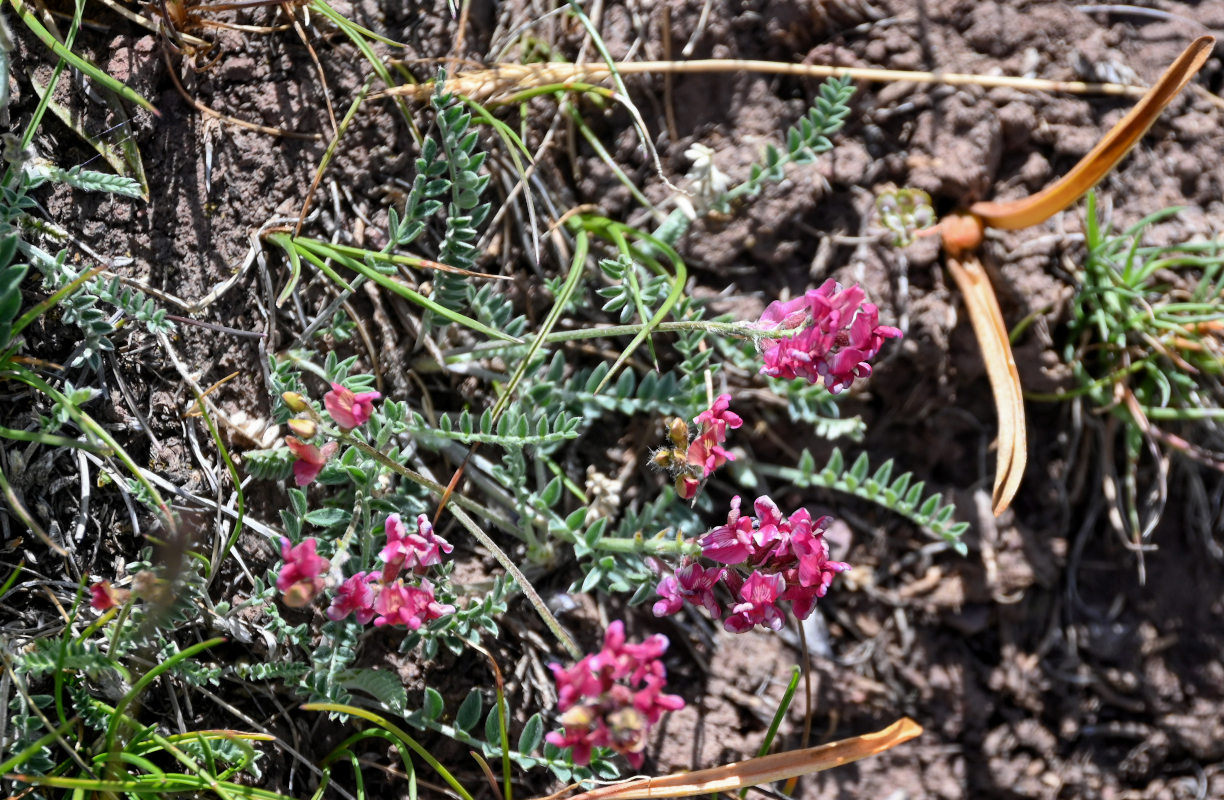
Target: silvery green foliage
(87,180)
(901,495)
(80,306)
(804,141)
(448,165)
(11,276)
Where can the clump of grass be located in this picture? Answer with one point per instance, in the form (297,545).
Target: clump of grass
(1147,344)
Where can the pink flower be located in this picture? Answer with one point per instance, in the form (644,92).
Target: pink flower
(580,734)
(730,543)
(103,596)
(411,606)
(414,551)
(310,459)
(690,584)
(301,576)
(349,410)
(613,697)
(803,598)
(719,417)
(355,596)
(687,487)
(841,334)
(707,455)
(705,452)
(759,594)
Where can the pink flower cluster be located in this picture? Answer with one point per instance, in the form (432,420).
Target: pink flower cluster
(840,335)
(770,558)
(379,596)
(705,453)
(612,698)
(348,409)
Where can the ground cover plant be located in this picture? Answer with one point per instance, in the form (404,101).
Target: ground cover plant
(455,400)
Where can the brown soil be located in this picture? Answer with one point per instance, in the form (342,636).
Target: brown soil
(1040,665)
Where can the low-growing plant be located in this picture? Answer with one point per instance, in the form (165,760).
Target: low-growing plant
(359,538)
(606,368)
(1144,343)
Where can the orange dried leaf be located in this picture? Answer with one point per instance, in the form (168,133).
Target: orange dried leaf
(991,334)
(766,769)
(1107,153)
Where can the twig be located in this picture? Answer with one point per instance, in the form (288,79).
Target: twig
(488,84)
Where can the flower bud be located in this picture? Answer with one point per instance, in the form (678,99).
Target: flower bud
(678,433)
(297,404)
(663,458)
(304,428)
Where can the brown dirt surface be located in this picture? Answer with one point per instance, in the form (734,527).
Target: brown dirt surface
(1040,665)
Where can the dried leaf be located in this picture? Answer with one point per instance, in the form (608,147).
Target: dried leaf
(1108,152)
(991,334)
(766,769)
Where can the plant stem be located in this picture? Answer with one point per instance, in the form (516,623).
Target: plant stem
(658,545)
(746,330)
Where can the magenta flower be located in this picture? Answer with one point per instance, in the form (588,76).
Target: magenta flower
(841,334)
(613,697)
(310,459)
(301,576)
(349,410)
(719,417)
(416,551)
(692,583)
(759,594)
(731,543)
(411,606)
(687,487)
(355,596)
(771,558)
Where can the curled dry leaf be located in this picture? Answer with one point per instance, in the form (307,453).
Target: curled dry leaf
(991,333)
(757,771)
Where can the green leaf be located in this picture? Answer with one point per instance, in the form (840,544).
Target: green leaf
(807,464)
(327,517)
(592,579)
(433,703)
(297,499)
(383,686)
(469,710)
(552,492)
(532,735)
(836,462)
(929,506)
(492,729)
